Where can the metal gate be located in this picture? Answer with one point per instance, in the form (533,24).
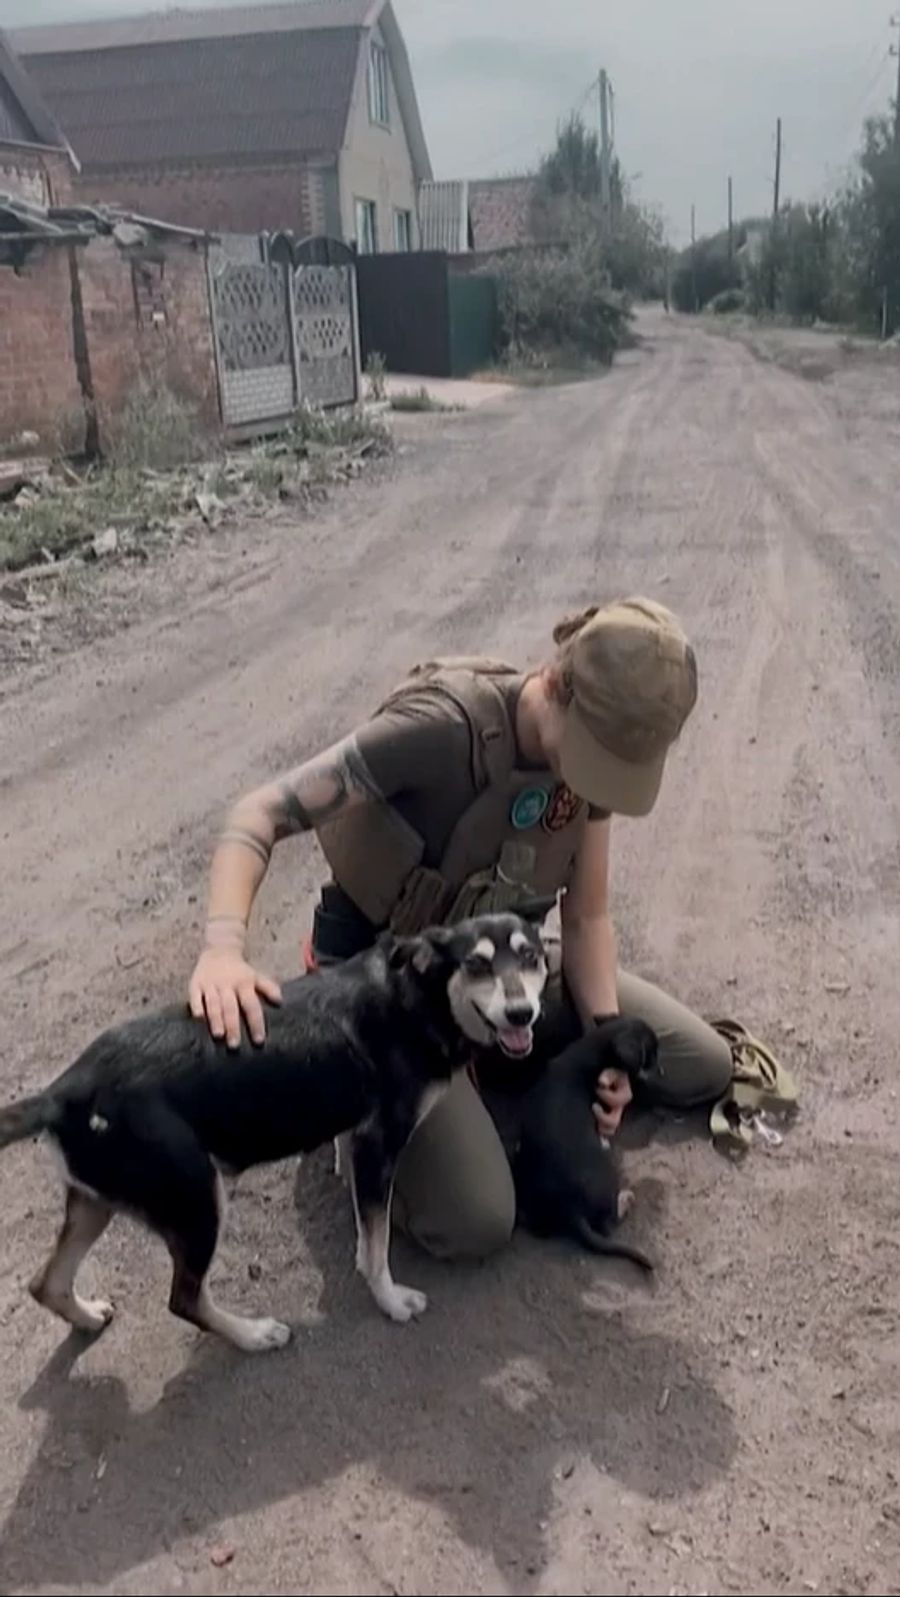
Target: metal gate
(284,335)
(325,334)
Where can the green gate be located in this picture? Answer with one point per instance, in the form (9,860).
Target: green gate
(473,322)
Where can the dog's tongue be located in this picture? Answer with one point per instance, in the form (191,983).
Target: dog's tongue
(516,1039)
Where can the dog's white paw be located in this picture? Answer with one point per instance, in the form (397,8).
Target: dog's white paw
(402,1303)
(262,1336)
(626,1201)
(93,1314)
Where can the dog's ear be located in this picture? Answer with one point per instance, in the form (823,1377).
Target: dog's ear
(421,954)
(535,910)
(637,1047)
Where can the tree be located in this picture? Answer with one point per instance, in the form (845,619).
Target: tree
(567,210)
(874,222)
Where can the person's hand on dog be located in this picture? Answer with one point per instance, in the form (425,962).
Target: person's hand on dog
(224,987)
(613,1098)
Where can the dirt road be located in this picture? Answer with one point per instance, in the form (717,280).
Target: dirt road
(551,1425)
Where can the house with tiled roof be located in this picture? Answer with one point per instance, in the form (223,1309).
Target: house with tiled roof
(297,116)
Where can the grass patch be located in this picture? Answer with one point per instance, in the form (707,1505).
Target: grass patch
(337,429)
(551,369)
(62,518)
(419,400)
(135,499)
(157,430)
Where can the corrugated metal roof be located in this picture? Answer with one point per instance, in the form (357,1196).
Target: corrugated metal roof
(176,25)
(501,210)
(204,99)
(444,216)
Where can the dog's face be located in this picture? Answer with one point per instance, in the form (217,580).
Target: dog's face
(495,972)
(630,1046)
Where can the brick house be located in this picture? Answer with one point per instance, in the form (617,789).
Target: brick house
(39,388)
(90,301)
(299,116)
(486,215)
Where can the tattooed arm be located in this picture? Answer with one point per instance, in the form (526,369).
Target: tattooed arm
(224,984)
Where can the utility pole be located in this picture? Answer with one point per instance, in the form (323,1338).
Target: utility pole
(776,202)
(895,50)
(694,258)
(730,222)
(605,148)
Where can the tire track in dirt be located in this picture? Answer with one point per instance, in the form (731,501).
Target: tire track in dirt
(549,1426)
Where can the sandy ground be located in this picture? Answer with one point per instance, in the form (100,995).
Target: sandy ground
(551,1425)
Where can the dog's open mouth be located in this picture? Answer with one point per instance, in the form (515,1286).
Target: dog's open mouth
(515,1041)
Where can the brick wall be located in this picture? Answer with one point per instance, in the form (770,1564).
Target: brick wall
(39,389)
(141,318)
(40,176)
(147,318)
(241,199)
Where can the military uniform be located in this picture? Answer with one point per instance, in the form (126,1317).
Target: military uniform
(465,827)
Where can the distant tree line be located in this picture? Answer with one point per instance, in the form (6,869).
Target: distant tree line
(834,261)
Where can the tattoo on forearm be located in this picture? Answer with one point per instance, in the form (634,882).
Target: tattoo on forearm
(319,790)
(252,840)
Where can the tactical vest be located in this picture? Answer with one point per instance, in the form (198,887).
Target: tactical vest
(517,839)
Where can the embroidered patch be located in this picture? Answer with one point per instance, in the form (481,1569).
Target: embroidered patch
(564,807)
(528,807)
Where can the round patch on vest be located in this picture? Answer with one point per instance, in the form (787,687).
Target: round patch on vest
(528,807)
(563,808)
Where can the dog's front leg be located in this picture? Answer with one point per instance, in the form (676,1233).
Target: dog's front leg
(342,1160)
(372,1168)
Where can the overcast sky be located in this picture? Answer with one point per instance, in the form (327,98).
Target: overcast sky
(698,85)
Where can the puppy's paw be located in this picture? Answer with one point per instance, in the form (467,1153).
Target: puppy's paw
(92,1314)
(626,1201)
(402,1303)
(263,1336)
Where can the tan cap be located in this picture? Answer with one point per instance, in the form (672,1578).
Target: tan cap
(634,683)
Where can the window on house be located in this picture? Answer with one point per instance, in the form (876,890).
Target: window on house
(379,97)
(366,227)
(402,230)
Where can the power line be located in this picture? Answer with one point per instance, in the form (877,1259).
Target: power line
(575,109)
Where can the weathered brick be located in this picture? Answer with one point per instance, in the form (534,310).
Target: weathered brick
(39,388)
(239,199)
(39,391)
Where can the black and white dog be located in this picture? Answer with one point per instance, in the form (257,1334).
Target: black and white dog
(154,1111)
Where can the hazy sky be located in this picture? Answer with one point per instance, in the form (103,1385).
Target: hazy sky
(698,84)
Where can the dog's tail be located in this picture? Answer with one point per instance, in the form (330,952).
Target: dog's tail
(26,1118)
(619,1250)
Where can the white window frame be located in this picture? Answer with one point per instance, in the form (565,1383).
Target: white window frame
(366,218)
(403,235)
(379,85)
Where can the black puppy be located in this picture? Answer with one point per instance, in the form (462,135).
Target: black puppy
(153,1111)
(567,1178)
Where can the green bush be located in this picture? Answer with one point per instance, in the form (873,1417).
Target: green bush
(553,301)
(703,272)
(724,304)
